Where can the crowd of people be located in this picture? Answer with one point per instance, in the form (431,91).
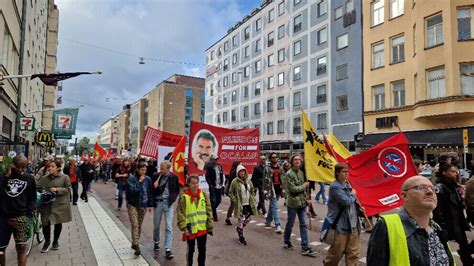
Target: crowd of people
(436,209)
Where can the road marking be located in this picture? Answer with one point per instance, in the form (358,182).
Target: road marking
(252,221)
(260,224)
(315,243)
(327,248)
(299,239)
(224,212)
(455,253)
(292,234)
(321,221)
(285,211)
(363,260)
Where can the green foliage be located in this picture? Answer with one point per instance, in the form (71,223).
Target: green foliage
(4,164)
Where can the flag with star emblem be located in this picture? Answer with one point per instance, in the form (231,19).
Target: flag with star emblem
(178,161)
(319,164)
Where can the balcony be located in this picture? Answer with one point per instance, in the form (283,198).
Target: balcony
(459,106)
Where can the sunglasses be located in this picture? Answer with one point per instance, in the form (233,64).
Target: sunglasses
(424,188)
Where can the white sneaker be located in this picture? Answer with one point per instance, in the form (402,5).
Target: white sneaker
(278,230)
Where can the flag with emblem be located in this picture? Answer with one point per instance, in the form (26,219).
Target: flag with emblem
(319,164)
(99,152)
(178,160)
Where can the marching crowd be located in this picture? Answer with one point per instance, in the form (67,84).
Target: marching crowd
(434,208)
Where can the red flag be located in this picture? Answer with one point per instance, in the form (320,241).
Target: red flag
(154,138)
(378,174)
(82,157)
(99,152)
(332,152)
(178,160)
(89,156)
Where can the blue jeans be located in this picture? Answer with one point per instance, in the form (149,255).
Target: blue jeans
(301,212)
(322,192)
(121,189)
(160,209)
(273,211)
(216,198)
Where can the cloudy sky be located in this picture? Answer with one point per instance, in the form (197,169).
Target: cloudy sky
(111,36)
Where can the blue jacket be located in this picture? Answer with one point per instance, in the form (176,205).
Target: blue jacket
(341,196)
(134,192)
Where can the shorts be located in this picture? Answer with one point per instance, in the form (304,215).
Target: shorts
(20,227)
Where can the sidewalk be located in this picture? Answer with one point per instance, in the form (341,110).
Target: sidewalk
(93,237)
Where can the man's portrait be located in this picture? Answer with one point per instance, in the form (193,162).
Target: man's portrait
(204,147)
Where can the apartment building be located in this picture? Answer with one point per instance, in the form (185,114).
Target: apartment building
(277,61)
(419,73)
(123,129)
(106,131)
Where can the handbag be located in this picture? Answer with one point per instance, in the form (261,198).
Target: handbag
(328,230)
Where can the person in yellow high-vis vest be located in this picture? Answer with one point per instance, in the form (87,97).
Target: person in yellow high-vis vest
(410,237)
(195,219)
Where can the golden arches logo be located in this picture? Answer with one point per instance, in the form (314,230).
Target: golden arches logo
(179,167)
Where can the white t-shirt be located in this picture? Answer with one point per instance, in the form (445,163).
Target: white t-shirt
(245,194)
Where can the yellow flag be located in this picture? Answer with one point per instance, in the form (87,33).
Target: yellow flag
(338,147)
(319,165)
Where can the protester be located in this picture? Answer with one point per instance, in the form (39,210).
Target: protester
(165,192)
(321,193)
(232,176)
(58,211)
(257,181)
(449,213)
(195,219)
(44,167)
(469,200)
(296,203)
(87,175)
(410,237)
(418,165)
(139,200)
(17,204)
(105,169)
(116,163)
(122,174)
(242,194)
(72,170)
(272,186)
(215,180)
(342,207)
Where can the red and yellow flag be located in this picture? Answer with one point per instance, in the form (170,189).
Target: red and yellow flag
(178,160)
(99,152)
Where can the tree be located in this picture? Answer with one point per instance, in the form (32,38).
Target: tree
(83,145)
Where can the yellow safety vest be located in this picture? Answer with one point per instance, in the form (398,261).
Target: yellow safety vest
(196,216)
(397,241)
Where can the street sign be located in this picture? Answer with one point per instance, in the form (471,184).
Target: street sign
(466,150)
(65,136)
(465,137)
(27,123)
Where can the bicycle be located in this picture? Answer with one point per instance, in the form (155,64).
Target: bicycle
(36,229)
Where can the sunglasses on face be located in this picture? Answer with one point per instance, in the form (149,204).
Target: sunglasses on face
(424,188)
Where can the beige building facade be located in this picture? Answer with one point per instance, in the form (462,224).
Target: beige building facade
(419,72)
(106,131)
(123,129)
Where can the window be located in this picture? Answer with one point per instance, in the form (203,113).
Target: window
(258,24)
(246,112)
(296,2)
(258,45)
(322,35)
(377,8)
(247,33)
(281,78)
(234,96)
(464,24)
(271,15)
(341,103)
(398,49)
(281,102)
(379,97)
(226,64)
(281,8)
(270,128)
(321,94)
(322,121)
(297,125)
(270,60)
(246,91)
(281,31)
(258,66)
(297,24)
(297,98)
(271,38)
(414,39)
(212,55)
(297,48)
(233,115)
(224,117)
(225,99)
(247,51)
(321,66)
(341,72)
(256,108)
(297,73)
(246,71)
(218,118)
(270,83)
(257,125)
(342,41)
(467,78)
(234,77)
(7,126)
(281,55)
(436,83)
(234,59)
(398,90)
(396,8)
(349,5)
(281,126)
(226,81)
(211,90)
(269,105)
(377,55)
(434,30)
(322,8)
(234,40)
(258,88)
(338,12)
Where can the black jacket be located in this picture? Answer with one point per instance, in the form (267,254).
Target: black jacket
(257,176)
(84,172)
(173,188)
(134,192)
(378,251)
(211,175)
(17,195)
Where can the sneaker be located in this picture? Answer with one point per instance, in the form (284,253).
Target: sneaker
(288,246)
(169,254)
(268,225)
(308,252)
(46,246)
(228,222)
(216,219)
(74,203)
(157,246)
(137,251)
(242,241)
(278,229)
(55,245)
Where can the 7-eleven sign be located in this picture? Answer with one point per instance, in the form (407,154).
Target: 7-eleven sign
(27,123)
(64,121)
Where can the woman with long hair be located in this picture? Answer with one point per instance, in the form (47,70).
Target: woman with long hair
(122,174)
(57,211)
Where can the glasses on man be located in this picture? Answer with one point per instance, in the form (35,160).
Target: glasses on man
(424,188)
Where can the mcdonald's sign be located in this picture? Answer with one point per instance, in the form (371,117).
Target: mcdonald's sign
(50,144)
(43,137)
